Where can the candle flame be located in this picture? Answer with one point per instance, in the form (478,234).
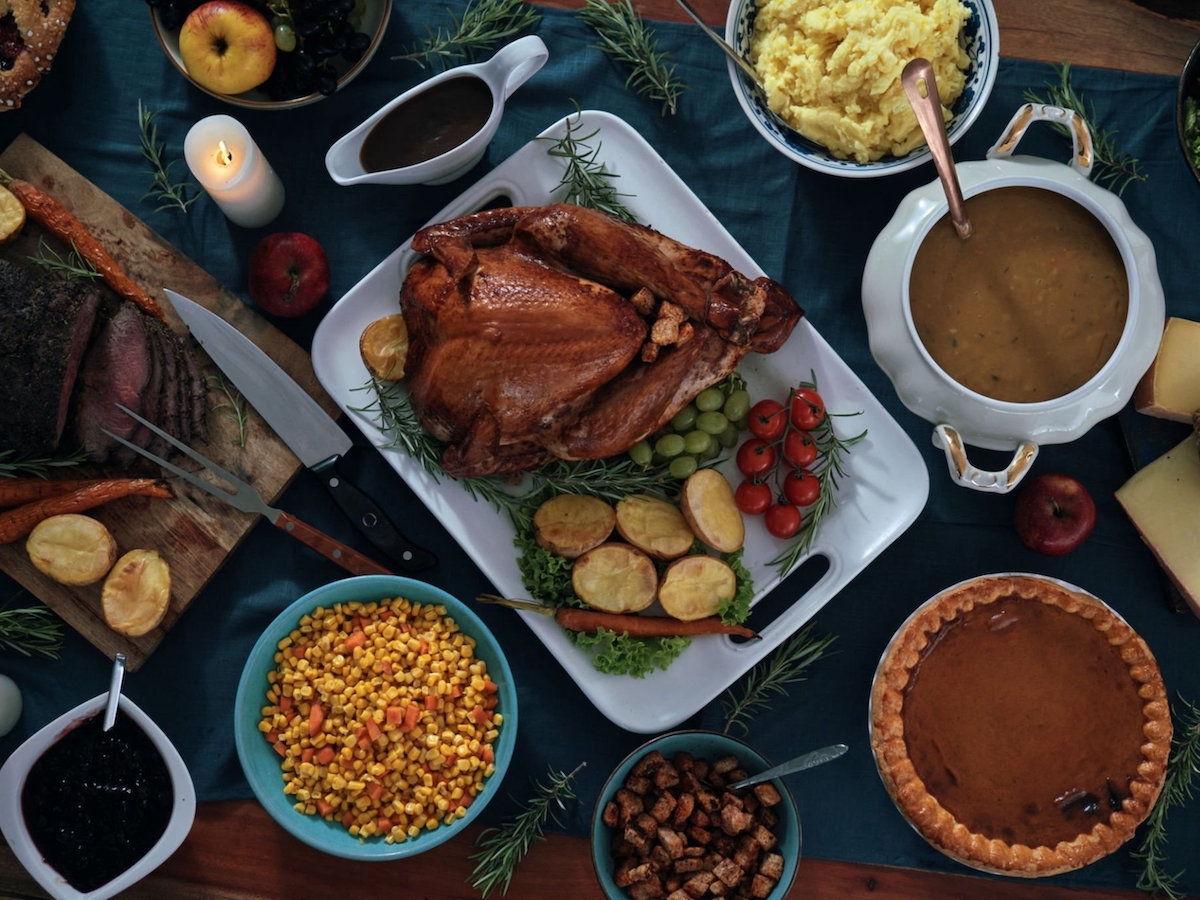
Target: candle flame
(224,157)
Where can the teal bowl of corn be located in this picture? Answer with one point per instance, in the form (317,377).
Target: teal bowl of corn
(375,717)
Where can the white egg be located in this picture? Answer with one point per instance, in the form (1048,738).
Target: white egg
(10,704)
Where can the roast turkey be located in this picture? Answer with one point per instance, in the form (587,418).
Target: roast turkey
(560,331)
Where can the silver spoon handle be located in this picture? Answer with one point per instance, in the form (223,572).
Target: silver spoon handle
(800,763)
(730,52)
(114,691)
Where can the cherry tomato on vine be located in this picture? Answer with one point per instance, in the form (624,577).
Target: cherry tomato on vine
(808,409)
(767,419)
(782,520)
(802,487)
(752,497)
(755,457)
(799,449)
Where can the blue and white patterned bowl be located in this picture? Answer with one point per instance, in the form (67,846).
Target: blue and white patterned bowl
(982,40)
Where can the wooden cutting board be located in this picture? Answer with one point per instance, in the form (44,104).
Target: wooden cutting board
(194,532)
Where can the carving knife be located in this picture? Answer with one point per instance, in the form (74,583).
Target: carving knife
(316,439)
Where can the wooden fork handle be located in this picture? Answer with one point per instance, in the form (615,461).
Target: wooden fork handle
(350,560)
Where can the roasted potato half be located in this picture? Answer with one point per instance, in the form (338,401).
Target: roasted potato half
(383,346)
(654,526)
(711,511)
(71,549)
(615,578)
(572,524)
(694,586)
(136,592)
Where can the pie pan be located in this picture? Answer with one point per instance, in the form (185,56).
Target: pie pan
(1040,713)
(960,415)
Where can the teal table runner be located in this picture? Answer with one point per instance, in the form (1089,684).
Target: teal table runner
(808,230)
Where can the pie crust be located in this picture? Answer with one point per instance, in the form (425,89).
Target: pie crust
(1033,717)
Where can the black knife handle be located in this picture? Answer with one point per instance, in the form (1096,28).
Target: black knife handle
(371,520)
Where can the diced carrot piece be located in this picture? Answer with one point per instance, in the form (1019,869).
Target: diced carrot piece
(285,703)
(386,668)
(374,790)
(272,737)
(373,731)
(348,820)
(384,825)
(307,754)
(360,735)
(357,639)
(431,701)
(424,646)
(324,807)
(486,754)
(280,748)
(490,687)
(316,715)
(405,627)
(394,715)
(412,715)
(491,702)
(467,800)
(325,755)
(479,714)
(455,691)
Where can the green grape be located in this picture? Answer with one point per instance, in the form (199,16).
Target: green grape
(740,424)
(712,422)
(682,466)
(641,453)
(729,437)
(714,448)
(685,418)
(710,399)
(737,406)
(285,37)
(669,445)
(696,441)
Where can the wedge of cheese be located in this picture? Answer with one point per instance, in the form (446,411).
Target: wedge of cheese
(1170,389)
(1163,501)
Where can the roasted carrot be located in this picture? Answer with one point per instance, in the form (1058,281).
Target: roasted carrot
(18,522)
(48,212)
(574,619)
(19,491)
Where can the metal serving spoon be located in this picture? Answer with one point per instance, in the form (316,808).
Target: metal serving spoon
(114,691)
(729,51)
(799,764)
(921,89)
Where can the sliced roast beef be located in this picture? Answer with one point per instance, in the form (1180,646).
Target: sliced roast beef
(197,394)
(115,370)
(162,344)
(45,324)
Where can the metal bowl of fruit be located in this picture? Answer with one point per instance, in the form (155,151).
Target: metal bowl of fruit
(270,54)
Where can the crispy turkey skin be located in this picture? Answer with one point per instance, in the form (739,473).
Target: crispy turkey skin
(560,331)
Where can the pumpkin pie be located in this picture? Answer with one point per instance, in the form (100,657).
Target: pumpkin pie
(1020,725)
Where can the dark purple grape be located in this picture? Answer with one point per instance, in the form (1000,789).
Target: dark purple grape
(359,42)
(327,84)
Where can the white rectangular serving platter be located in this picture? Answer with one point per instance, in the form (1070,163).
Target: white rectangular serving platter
(885,487)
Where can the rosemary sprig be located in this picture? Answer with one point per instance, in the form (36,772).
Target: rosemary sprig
(787,665)
(30,631)
(828,468)
(625,37)
(587,181)
(72,266)
(483,23)
(168,194)
(13,464)
(1114,168)
(233,407)
(502,849)
(1182,768)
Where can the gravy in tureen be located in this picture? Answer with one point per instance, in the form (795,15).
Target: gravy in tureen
(1031,306)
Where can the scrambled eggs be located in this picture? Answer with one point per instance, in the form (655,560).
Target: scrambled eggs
(832,68)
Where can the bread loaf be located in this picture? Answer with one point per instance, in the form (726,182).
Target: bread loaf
(30,32)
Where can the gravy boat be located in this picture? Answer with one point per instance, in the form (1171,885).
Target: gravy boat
(511,67)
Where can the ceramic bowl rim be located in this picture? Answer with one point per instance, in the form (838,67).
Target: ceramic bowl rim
(168,41)
(602,858)
(331,837)
(989,63)
(12,781)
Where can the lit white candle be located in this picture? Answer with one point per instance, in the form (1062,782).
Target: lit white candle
(230,167)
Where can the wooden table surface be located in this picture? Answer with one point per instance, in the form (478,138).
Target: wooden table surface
(236,851)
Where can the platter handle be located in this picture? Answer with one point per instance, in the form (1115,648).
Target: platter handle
(948,439)
(1082,155)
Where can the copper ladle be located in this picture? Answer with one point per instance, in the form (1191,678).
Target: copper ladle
(921,89)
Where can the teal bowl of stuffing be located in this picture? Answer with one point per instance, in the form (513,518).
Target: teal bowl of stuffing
(759,860)
(441,729)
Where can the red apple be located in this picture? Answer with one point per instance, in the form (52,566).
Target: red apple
(289,273)
(227,47)
(1055,514)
